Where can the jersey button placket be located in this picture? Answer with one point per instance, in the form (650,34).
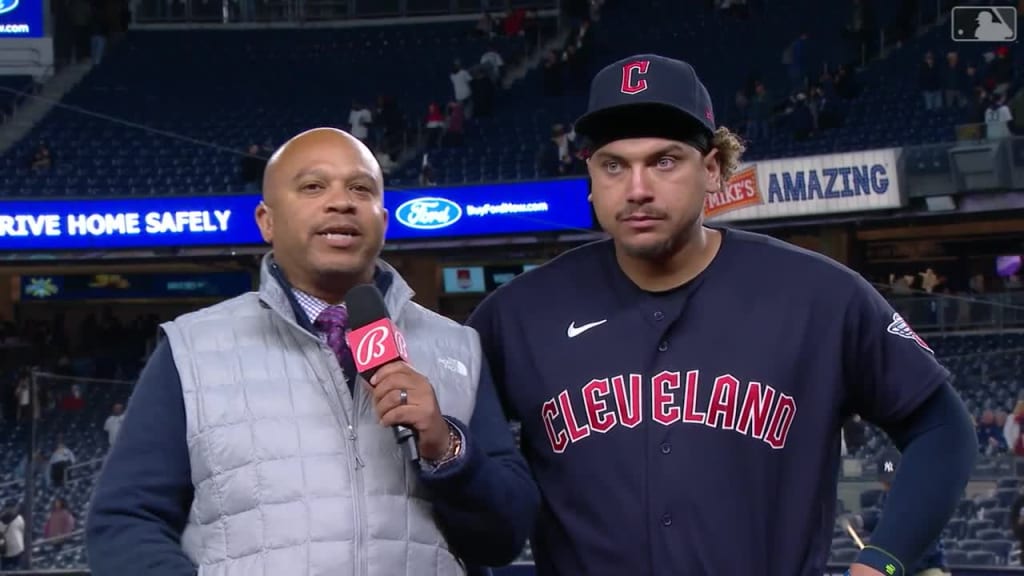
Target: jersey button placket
(666,448)
(659,315)
(663,346)
(666,520)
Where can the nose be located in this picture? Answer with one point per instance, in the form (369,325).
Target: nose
(339,199)
(639,191)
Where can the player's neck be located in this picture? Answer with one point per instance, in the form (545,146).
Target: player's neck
(678,268)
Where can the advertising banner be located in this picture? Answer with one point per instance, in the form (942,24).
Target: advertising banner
(425,213)
(807,186)
(21,19)
(77,287)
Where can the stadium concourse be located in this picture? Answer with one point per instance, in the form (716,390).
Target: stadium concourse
(158,130)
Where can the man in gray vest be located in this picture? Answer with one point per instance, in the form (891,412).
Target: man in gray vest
(250,445)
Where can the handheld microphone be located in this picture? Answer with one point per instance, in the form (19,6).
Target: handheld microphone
(374,342)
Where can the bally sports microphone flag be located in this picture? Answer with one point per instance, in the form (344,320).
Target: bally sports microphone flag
(374,342)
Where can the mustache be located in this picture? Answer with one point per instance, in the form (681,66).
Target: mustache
(645,212)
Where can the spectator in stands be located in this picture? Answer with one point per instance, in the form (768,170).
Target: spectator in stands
(953,79)
(461,80)
(61,459)
(435,125)
(795,58)
(800,117)
(427,173)
(556,157)
(856,432)
(930,82)
(282,459)
(1000,72)
(978,107)
(846,85)
(1012,429)
(492,63)
(482,90)
(61,521)
(933,562)
(250,168)
(742,103)
(485,25)
(1016,105)
(113,423)
(455,126)
(990,434)
(23,396)
(42,160)
(359,120)
(759,114)
(389,125)
(552,74)
(387,164)
(12,527)
(998,118)
(1016,517)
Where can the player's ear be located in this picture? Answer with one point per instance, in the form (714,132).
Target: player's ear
(265,222)
(713,171)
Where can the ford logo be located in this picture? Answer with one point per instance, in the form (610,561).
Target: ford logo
(428,213)
(8,5)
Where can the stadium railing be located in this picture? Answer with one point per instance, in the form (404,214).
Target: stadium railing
(251,11)
(958,312)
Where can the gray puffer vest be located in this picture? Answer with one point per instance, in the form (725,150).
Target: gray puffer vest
(293,476)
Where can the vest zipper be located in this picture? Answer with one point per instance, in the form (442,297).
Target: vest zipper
(355,447)
(357,503)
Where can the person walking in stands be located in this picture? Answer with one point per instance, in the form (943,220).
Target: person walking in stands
(933,562)
(12,528)
(252,446)
(1016,517)
(61,521)
(61,459)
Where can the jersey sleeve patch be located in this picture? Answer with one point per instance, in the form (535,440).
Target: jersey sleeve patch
(899,327)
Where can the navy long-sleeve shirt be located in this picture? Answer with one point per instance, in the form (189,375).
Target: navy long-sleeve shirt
(485,502)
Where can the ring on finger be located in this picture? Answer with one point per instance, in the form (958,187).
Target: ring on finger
(403,397)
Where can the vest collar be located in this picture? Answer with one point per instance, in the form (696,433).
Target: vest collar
(276,293)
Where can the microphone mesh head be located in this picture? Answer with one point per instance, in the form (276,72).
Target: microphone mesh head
(365,305)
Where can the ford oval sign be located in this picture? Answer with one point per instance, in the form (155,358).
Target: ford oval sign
(8,5)
(428,213)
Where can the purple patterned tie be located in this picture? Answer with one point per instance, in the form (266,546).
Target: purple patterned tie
(332,323)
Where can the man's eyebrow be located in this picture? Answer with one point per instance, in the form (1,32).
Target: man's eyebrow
(668,149)
(318,172)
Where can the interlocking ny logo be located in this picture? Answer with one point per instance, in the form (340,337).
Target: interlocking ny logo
(372,346)
(8,5)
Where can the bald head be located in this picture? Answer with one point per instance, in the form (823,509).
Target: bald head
(319,145)
(323,212)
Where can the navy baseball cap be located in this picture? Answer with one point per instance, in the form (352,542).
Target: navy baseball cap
(647,96)
(888,464)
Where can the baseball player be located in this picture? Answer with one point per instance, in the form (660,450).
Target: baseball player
(681,386)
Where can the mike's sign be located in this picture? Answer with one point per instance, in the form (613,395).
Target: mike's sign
(814,185)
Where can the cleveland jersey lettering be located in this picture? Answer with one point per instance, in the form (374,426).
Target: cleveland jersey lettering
(759,411)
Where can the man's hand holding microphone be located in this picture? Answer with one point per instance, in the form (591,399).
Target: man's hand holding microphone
(403,398)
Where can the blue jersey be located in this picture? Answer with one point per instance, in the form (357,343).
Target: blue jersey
(695,431)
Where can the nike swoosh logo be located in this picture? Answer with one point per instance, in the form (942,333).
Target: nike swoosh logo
(575,330)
